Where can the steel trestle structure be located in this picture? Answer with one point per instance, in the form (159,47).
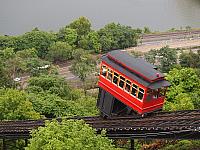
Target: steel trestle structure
(173,125)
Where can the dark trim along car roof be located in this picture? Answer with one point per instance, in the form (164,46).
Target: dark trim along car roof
(155,84)
(137,65)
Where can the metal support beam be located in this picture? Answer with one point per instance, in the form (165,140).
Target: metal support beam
(4,144)
(26,142)
(132,144)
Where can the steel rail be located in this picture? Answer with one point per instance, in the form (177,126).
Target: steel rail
(180,33)
(127,126)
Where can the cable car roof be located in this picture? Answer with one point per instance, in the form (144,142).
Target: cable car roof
(137,65)
(122,62)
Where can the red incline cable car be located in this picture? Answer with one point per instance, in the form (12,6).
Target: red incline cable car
(127,83)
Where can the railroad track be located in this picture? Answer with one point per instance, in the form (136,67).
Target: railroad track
(175,36)
(126,126)
(178,33)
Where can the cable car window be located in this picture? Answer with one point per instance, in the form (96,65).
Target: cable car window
(149,94)
(128,85)
(134,90)
(115,78)
(121,82)
(155,93)
(152,94)
(103,70)
(140,94)
(110,74)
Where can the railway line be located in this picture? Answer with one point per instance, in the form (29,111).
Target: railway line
(195,34)
(184,32)
(178,124)
(181,39)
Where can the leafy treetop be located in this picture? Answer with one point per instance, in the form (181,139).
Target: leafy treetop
(82,26)
(184,91)
(68,135)
(15,105)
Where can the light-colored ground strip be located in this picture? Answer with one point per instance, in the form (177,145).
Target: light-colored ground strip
(172,44)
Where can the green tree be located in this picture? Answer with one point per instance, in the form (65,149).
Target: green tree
(119,35)
(190,59)
(51,105)
(83,65)
(11,65)
(27,53)
(39,40)
(51,84)
(184,90)
(183,94)
(182,101)
(188,28)
(7,41)
(82,26)
(91,42)
(186,78)
(68,135)
(106,42)
(184,59)
(173,30)
(67,35)
(37,67)
(60,51)
(48,104)
(5,80)
(196,98)
(167,58)
(151,56)
(147,30)
(15,105)
(32,64)
(52,97)
(84,106)
(25,61)
(7,53)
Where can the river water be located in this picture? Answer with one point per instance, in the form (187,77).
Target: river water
(19,16)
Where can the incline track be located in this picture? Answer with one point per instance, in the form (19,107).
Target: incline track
(170,123)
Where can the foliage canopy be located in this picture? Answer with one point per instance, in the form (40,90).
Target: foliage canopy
(68,135)
(15,105)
